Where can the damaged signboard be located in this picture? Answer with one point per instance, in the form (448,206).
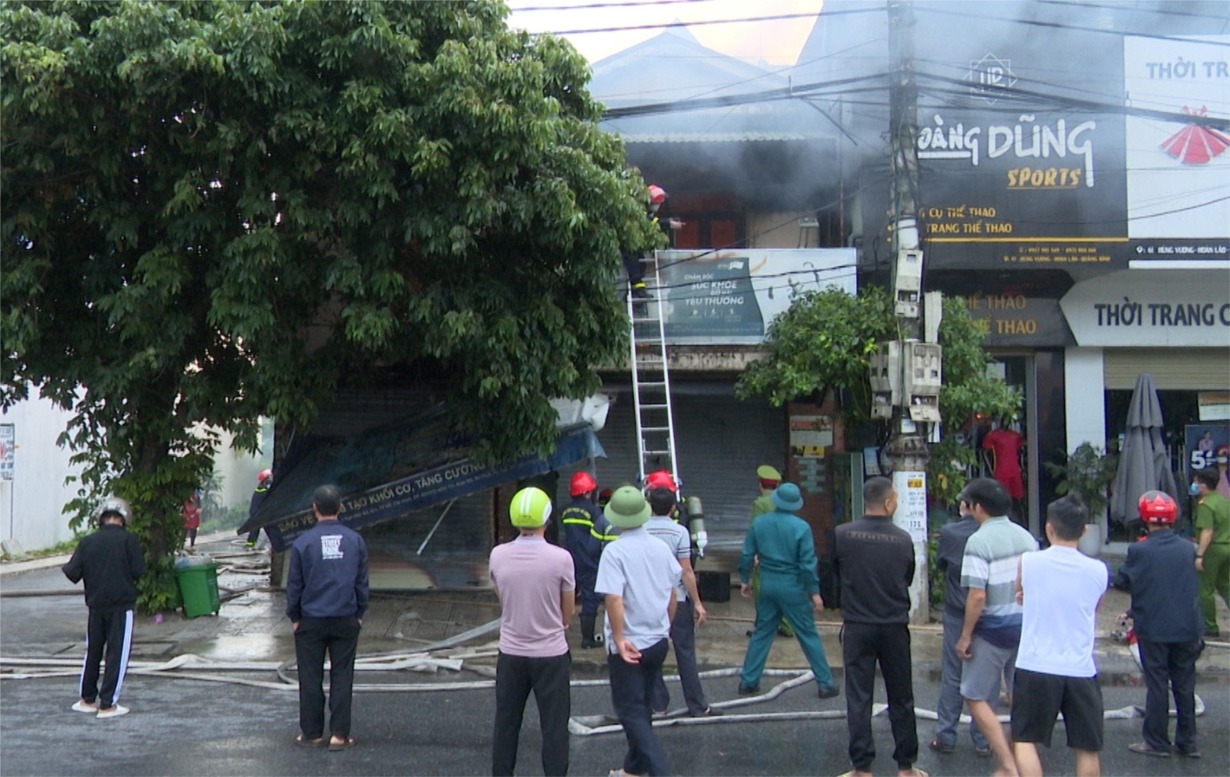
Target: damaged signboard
(390,472)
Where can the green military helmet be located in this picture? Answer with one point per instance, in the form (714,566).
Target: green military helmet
(530,508)
(768,474)
(627,508)
(787,497)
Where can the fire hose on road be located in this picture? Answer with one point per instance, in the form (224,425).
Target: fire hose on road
(192,667)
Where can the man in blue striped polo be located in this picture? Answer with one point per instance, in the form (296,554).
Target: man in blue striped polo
(992,629)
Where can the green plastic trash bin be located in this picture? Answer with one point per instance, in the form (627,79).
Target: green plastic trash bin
(198,586)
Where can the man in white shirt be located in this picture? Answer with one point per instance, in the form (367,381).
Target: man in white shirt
(637,576)
(1060,590)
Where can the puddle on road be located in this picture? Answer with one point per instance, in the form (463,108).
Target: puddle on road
(247,647)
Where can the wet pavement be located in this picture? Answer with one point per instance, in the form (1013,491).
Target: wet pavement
(251,624)
(439,723)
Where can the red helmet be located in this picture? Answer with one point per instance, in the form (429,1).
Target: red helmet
(1157,507)
(582,483)
(661,479)
(657,195)
(264,477)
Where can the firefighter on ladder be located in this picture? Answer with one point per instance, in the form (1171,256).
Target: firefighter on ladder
(586,532)
(634,266)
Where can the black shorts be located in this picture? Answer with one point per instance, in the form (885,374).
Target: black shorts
(1038,698)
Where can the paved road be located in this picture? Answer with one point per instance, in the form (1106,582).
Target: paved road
(190,727)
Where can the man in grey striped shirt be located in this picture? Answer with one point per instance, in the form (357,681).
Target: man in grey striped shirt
(992,629)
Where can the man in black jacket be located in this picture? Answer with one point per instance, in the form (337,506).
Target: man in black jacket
(1160,573)
(326,597)
(110,562)
(875,560)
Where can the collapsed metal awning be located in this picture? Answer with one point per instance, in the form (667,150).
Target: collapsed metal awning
(389,472)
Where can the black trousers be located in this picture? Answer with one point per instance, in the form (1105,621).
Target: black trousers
(1170,664)
(109,633)
(862,647)
(683,637)
(340,637)
(631,686)
(548,678)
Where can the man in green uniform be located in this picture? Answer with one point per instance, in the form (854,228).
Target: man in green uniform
(1213,553)
(783,542)
(769,478)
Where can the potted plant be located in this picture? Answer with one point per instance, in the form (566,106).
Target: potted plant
(1087,472)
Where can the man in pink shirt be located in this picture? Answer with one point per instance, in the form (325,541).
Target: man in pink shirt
(535,584)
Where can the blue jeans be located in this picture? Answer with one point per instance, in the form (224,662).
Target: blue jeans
(949,708)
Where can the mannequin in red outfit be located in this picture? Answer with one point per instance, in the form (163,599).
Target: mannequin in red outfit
(1005,445)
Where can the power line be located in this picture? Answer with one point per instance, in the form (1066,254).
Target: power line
(714,21)
(748,98)
(778,17)
(1062,26)
(587,6)
(1097,106)
(736,244)
(1162,9)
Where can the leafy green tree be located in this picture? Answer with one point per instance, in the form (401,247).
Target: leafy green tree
(824,341)
(215,210)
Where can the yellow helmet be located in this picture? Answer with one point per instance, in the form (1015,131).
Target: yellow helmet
(530,508)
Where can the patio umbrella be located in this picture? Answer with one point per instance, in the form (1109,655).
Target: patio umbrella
(1144,464)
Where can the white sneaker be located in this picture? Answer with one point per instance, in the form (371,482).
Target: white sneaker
(81,706)
(114,712)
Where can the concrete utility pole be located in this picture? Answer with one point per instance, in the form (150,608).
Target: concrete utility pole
(906,372)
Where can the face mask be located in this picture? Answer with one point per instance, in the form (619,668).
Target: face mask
(1193,489)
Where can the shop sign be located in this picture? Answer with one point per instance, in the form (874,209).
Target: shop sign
(1015,319)
(1214,405)
(731,297)
(1178,172)
(810,435)
(1139,308)
(1026,187)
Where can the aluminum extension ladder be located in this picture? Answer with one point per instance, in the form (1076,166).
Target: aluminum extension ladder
(651,383)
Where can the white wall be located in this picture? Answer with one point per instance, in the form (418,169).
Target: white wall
(31,503)
(1084,391)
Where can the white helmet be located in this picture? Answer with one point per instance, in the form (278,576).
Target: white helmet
(113,505)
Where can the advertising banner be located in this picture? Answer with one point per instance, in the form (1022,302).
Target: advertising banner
(1203,441)
(1178,173)
(1010,179)
(911,512)
(731,297)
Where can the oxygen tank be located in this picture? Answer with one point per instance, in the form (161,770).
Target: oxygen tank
(696,524)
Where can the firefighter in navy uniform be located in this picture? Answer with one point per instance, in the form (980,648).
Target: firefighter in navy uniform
(633,265)
(586,531)
(262,487)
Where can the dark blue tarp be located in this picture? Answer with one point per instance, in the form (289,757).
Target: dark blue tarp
(389,472)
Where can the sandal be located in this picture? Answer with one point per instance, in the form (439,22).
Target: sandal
(345,744)
(1143,748)
(311,743)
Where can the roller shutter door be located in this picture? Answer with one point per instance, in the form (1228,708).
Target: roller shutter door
(720,442)
(1173,369)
